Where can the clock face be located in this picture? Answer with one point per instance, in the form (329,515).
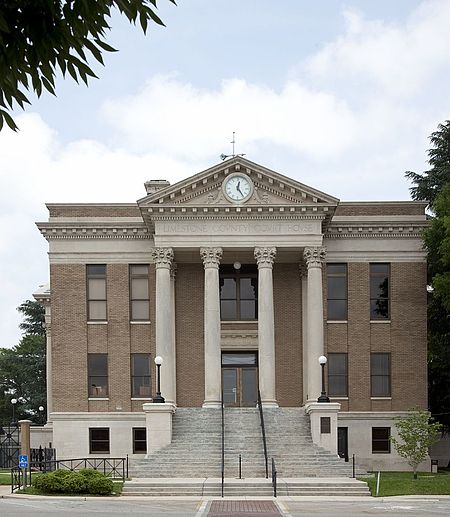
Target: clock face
(238,187)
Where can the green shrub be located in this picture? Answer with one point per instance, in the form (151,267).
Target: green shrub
(74,483)
(85,481)
(100,485)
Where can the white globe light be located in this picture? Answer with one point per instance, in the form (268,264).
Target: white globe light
(13,401)
(41,408)
(237,265)
(158,360)
(322,359)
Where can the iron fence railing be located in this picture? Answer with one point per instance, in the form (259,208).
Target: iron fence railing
(263,431)
(114,468)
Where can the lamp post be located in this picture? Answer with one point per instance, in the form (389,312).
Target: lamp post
(13,402)
(323,396)
(158,399)
(41,414)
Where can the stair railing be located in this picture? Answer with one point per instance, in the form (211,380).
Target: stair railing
(263,430)
(274,478)
(223,444)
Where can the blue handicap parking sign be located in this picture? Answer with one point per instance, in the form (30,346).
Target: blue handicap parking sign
(23,461)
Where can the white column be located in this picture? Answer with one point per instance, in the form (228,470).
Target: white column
(173,342)
(314,257)
(213,360)
(304,279)
(163,258)
(266,328)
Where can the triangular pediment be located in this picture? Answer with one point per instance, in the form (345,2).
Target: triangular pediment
(205,189)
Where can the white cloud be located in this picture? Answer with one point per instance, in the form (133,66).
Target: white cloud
(348,121)
(390,59)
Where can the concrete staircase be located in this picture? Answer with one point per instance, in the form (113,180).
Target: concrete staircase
(191,464)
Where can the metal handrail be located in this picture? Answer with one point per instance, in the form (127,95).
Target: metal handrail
(263,430)
(223,444)
(274,478)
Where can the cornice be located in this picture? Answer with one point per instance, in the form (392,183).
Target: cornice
(52,230)
(379,231)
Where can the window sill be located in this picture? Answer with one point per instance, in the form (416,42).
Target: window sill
(338,398)
(380,321)
(140,322)
(380,398)
(98,398)
(141,398)
(381,452)
(97,323)
(238,321)
(337,321)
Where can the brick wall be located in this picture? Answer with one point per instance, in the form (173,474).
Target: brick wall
(288,334)
(69,337)
(404,337)
(189,303)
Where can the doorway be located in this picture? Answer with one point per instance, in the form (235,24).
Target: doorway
(343,442)
(240,379)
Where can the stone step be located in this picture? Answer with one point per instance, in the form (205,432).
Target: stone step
(245,487)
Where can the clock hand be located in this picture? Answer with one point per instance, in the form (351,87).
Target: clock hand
(238,188)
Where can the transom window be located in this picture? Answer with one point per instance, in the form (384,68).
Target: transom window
(239,293)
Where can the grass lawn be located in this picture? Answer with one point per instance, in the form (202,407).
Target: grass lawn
(5,477)
(403,483)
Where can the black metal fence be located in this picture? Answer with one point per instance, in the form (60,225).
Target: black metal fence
(114,468)
(9,446)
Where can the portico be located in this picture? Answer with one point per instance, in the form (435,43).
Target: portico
(205,219)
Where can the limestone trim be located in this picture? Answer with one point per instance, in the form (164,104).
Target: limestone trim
(211,257)
(265,256)
(315,257)
(162,257)
(53,230)
(376,230)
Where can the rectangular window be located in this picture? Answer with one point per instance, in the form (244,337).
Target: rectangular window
(337,375)
(98,440)
(380,375)
(325,425)
(381,440)
(139,440)
(96,292)
(238,293)
(98,375)
(379,291)
(139,293)
(337,292)
(140,375)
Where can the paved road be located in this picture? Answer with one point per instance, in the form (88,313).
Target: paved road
(195,508)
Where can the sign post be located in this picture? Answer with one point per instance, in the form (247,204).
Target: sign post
(25,448)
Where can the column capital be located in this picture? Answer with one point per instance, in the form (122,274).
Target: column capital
(211,257)
(162,257)
(315,257)
(303,270)
(265,256)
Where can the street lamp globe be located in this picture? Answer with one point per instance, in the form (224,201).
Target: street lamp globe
(322,360)
(13,401)
(41,408)
(159,360)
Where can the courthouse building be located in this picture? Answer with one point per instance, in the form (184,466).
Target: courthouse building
(239,278)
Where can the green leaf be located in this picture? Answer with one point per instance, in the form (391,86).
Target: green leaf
(8,119)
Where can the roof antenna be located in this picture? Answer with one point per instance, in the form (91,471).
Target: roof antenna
(233,142)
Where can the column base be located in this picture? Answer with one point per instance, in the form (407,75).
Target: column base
(212,404)
(269,403)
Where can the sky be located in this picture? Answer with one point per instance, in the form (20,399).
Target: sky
(339,95)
